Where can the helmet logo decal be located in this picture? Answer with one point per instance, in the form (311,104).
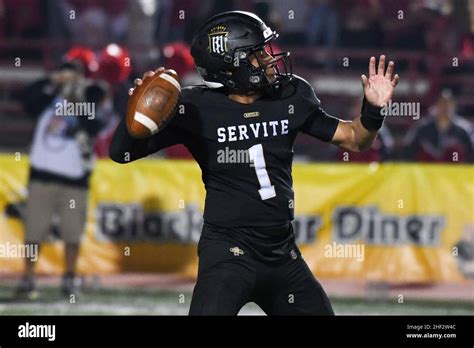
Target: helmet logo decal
(267,33)
(218,40)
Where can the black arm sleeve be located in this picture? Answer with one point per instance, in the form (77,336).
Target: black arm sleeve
(320,125)
(124,148)
(317,122)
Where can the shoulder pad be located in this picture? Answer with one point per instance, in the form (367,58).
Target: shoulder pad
(304,89)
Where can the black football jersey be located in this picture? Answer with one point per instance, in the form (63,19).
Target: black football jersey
(245,151)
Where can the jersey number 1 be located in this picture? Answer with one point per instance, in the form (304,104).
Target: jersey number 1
(267,190)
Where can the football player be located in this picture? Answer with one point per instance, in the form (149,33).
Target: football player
(252,102)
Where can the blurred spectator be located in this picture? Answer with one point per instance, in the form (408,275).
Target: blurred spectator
(381,149)
(3,19)
(86,57)
(177,56)
(361,27)
(176,20)
(467,46)
(25,18)
(324,24)
(114,65)
(97,22)
(142,22)
(182,20)
(442,35)
(268,15)
(40,94)
(219,6)
(143,25)
(405,23)
(444,137)
(465,248)
(294,19)
(59,24)
(90,26)
(61,162)
(163,19)
(117,19)
(467,54)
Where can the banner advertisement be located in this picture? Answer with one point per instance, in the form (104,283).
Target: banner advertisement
(390,222)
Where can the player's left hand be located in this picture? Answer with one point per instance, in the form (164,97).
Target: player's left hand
(379,87)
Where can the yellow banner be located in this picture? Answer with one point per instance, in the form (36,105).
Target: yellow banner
(389,222)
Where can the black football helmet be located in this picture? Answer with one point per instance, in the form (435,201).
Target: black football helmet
(223,45)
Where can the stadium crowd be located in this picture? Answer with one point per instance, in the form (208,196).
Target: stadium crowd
(116,41)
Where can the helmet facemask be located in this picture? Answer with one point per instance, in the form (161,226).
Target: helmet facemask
(250,77)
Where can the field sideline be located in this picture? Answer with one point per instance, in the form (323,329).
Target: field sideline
(170,295)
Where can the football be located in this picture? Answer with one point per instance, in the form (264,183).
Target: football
(152,104)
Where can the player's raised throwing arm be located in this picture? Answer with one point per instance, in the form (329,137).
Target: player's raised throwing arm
(359,134)
(125,148)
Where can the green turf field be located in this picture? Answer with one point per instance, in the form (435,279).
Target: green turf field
(132,301)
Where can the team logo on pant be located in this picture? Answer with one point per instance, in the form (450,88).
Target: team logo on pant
(236,251)
(293,254)
(218,40)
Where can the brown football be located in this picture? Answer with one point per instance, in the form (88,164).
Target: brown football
(152,104)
